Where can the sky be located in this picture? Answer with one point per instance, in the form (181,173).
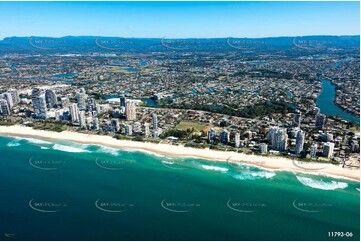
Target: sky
(179,19)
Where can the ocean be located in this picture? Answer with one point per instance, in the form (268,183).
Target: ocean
(57,190)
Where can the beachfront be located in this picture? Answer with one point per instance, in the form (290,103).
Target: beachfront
(276,163)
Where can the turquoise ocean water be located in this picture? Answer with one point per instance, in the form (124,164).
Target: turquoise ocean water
(54,190)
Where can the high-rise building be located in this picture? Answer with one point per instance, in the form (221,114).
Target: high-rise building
(65,102)
(81,100)
(8,97)
(115,124)
(224,136)
(4,108)
(296,122)
(92,105)
(74,112)
(154,121)
(82,120)
(237,140)
(123,100)
(146,129)
(128,129)
(211,134)
(14,95)
(130,112)
(282,139)
(137,127)
(50,98)
(320,121)
(263,148)
(39,102)
(270,135)
(328,149)
(313,150)
(278,138)
(300,140)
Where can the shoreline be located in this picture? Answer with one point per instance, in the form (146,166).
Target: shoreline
(265,162)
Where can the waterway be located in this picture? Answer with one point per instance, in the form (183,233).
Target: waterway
(328,107)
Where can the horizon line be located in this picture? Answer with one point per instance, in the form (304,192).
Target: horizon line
(165,37)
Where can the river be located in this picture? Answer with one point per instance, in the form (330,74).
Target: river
(328,107)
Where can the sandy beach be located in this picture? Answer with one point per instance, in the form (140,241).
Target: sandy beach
(274,163)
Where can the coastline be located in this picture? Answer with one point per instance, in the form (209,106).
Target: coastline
(272,163)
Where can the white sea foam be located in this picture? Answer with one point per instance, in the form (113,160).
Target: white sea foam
(214,168)
(44,148)
(142,151)
(168,162)
(78,145)
(13,144)
(244,176)
(36,141)
(68,148)
(320,184)
(254,175)
(264,174)
(108,150)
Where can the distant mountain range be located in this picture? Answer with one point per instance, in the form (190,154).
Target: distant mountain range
(89,44)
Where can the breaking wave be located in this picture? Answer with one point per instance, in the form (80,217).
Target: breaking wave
(108,150)
(143,151)
(36,141)
(66,148)
(254,175)
(320,184)
(13,143)
(214,168)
